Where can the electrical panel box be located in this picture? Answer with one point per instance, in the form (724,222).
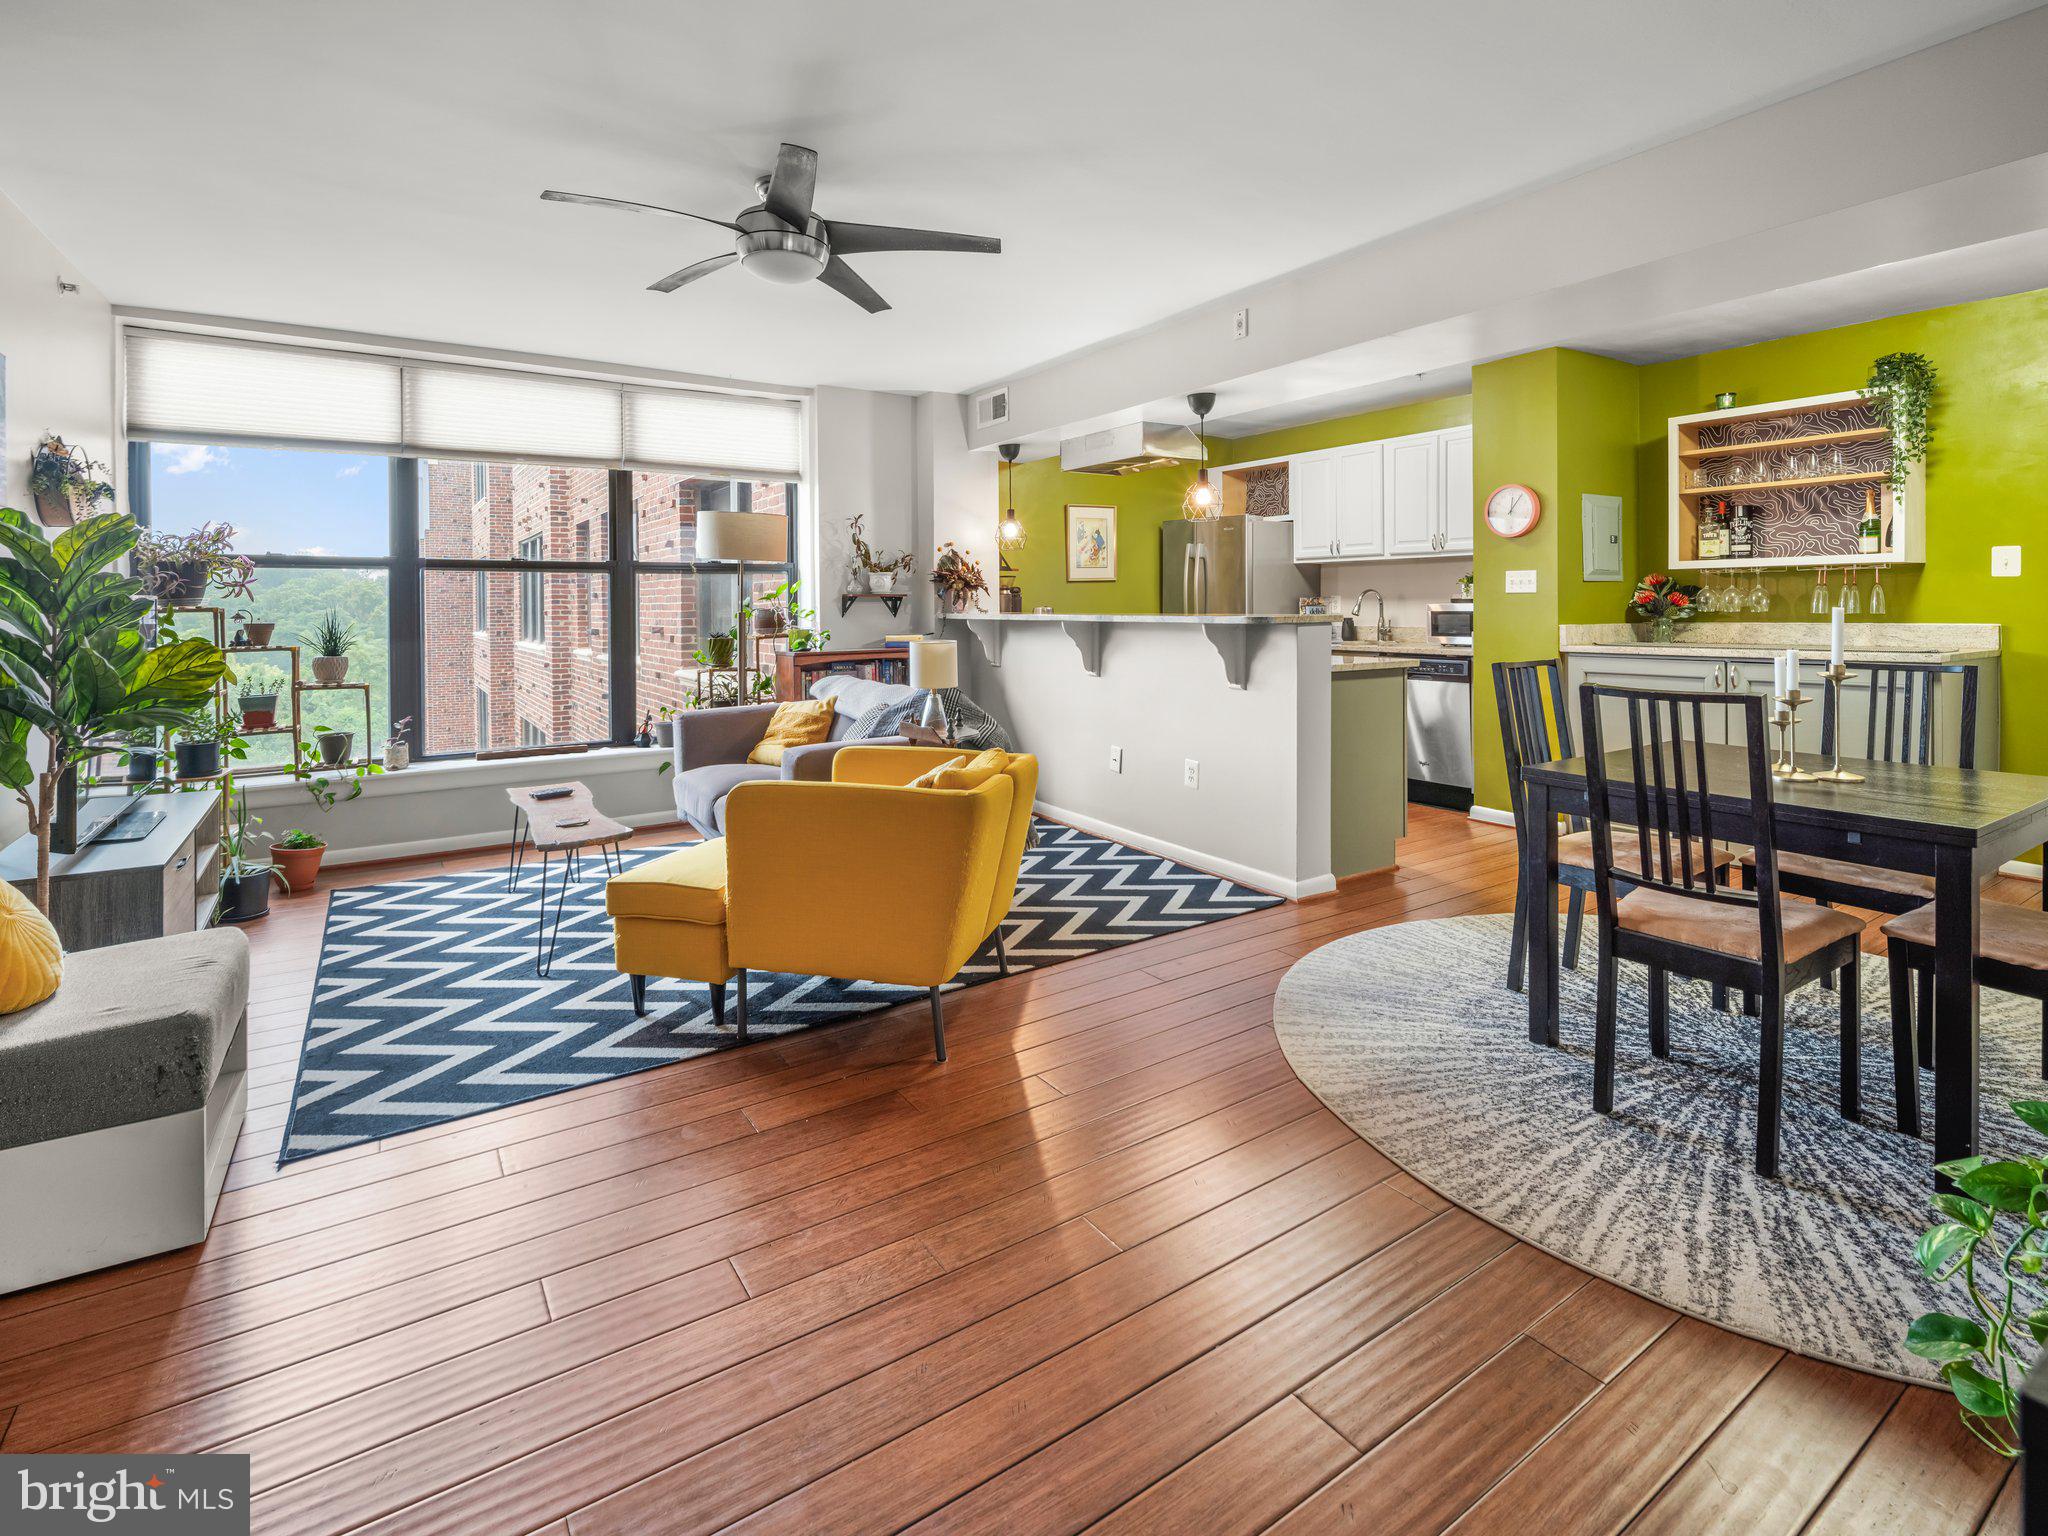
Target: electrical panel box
(1600,529)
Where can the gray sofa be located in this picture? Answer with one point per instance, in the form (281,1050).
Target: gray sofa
(712,746)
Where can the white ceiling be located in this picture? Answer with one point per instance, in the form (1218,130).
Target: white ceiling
(375,165)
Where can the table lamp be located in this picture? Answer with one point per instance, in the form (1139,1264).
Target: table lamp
(935,667)
(762,537)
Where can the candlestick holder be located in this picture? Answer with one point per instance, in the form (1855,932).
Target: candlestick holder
(1836,675)
(1787,721)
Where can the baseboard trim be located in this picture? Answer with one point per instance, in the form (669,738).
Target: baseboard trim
(1488,814)
(1229,869)
(2021,868)
(393,853)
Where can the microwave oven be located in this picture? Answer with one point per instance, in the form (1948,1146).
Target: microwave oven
(1451,623)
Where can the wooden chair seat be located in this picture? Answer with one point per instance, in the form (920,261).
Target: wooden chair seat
(1730,928)
(1575,851)
(1841,873)
(2015,936)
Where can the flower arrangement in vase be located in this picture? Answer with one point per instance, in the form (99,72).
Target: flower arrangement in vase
(1660,605)
(958,579)
(877,573)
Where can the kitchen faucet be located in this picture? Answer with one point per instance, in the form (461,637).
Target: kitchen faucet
(1382,631)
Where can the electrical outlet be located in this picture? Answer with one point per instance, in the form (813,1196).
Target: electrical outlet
(1191,774)
(1116,759)
(2005,559)
(1521,581)
(1241,326)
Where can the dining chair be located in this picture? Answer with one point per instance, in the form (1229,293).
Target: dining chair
(2012,956)
(1665,912)
(1532,733)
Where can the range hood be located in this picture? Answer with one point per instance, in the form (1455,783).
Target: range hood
(1127,449)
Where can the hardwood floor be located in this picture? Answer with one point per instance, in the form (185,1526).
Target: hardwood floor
(1111,1268)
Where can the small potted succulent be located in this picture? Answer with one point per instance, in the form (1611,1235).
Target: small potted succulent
(1658,606)
(177,568)
(397,746)
(331,641)
(719,649)
(665,726)
(143,756)
(205,744)
(296,856)
(67,483)
(252,632)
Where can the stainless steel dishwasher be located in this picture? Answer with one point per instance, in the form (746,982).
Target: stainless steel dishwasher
(1440,730)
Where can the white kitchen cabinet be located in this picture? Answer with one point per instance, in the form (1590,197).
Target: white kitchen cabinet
(1455,473)
(1312,498)
(1689,674)
(1361,503)
(1414,506)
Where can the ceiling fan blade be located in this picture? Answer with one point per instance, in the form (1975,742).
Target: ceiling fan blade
(619,202)
(841,278)
(793,185)
(691,273)
(856,239)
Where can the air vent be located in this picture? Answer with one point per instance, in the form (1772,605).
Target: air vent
(992,409)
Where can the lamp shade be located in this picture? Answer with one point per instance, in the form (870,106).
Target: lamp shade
(934,664)
(761,538)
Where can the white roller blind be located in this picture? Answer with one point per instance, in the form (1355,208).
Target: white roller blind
(186,387)
(476,413)
(741,435)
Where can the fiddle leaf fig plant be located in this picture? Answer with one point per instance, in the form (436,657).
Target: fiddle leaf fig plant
(1998,1269)
(1901,387)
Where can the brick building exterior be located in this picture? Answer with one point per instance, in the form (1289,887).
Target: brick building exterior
(524,659)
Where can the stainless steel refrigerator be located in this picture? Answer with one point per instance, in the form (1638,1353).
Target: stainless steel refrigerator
(1230,565)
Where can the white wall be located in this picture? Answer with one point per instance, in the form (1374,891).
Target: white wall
(956,490)
(864,454)
(1409,586)
(59,350)
(1260,812)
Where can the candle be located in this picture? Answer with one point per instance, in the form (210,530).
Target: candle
(1777,676)
(1835,638)
(1791,670)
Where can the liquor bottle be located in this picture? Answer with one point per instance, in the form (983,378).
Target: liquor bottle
(1741,535)
(1713,533)
(1870,532)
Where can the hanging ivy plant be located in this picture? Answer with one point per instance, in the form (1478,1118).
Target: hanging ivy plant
(1901,386)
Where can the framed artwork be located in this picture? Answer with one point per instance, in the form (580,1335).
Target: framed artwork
(1091,543)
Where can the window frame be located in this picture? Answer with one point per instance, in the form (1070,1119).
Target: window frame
(406,571)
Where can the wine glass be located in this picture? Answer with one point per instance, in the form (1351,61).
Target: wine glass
(1877,604)
(1759,600)
(1852,593)
(1820,590)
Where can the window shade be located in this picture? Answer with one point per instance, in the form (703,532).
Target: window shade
(192,388)
(188,388)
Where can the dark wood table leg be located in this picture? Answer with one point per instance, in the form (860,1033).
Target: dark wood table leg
(1955,1005)
(1539,876)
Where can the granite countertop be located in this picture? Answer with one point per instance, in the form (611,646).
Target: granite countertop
(1420,645)
(1868,640)
(1363,666)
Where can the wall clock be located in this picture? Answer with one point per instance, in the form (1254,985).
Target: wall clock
(1513,510)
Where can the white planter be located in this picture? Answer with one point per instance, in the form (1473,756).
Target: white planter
(882,581)
(397,755)
(330,669)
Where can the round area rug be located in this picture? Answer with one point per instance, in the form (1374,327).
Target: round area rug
(1410,1035)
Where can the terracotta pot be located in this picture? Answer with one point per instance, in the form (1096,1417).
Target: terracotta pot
(259,634)
(259,711)
(330,669)
(299,866)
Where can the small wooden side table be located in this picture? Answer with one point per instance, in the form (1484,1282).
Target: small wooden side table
(560,824)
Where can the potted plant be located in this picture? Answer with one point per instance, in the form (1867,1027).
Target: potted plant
(331,641)
(1658,606)
(334,747)
(319,778)
(1465,587)
(244,883)
(254,633)
(958,578)
(296,855)
(205,744)
(397,749)
(179,567)
(665,726)
(720,649)
(67,484)
(769,618)
(142,757)
(70,612)
(1901,387)
(872,571)
(258,710)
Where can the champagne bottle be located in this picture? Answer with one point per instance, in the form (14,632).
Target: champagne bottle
(1869,533)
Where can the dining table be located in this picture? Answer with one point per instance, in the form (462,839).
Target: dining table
(1958,825)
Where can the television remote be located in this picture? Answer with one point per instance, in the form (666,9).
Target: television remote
(558,792)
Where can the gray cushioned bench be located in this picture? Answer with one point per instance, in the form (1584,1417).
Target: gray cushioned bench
(120,1101)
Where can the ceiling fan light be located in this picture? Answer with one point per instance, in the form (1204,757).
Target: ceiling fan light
(782,256)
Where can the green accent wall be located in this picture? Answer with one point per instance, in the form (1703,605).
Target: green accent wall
(1986,470)
(1143,501)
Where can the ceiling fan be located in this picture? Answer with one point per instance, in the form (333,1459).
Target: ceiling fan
(780,239)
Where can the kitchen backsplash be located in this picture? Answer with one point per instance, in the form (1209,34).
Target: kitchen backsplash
(1409,586)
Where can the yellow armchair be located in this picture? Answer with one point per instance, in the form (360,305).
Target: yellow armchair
(867,879)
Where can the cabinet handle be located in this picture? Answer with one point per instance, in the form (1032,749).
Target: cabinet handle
(182,862)
(1735,679)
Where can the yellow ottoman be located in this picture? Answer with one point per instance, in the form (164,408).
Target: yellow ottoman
(668,919)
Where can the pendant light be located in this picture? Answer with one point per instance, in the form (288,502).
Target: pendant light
(1201,500)
(1009,532)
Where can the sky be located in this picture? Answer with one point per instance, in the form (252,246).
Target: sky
(282,501)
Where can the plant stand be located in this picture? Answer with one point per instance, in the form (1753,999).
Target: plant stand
(291,730)
(299,692)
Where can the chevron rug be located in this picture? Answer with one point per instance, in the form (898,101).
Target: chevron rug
(427,1008)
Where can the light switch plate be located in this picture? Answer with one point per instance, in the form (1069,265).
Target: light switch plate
(1242,324)
(1521,581)
(1116,759)
(2005,559)
(1191,775)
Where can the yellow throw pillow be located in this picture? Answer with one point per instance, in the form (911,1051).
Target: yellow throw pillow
(975,772)
(31,960)
(801,724)
(929,779)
